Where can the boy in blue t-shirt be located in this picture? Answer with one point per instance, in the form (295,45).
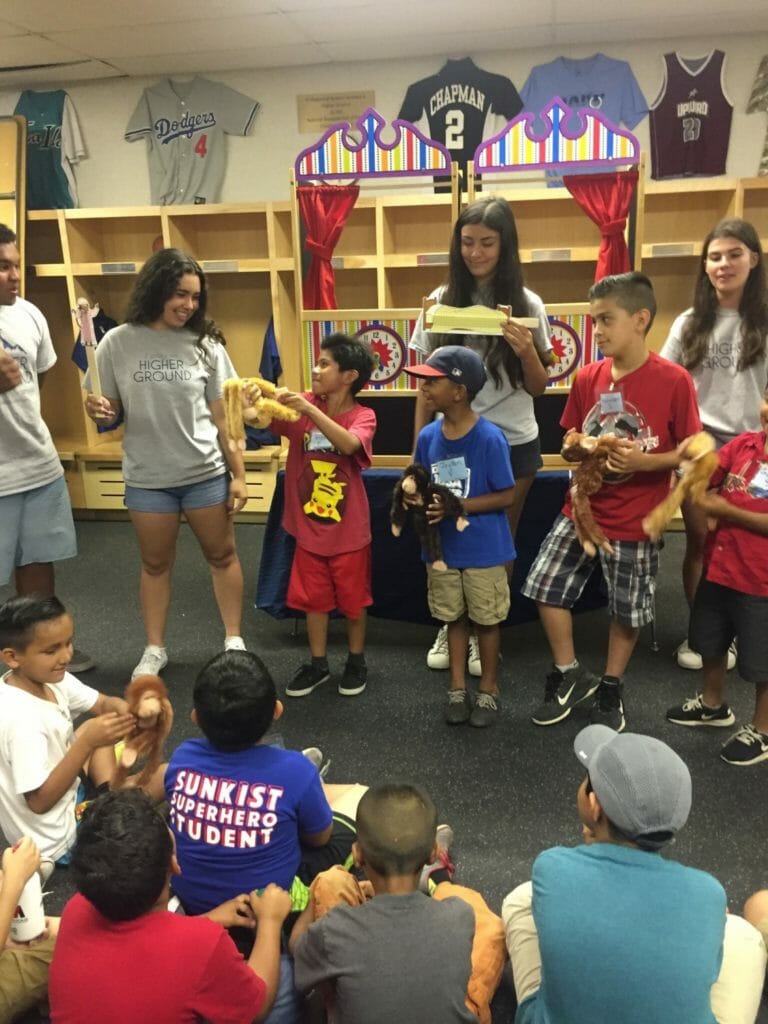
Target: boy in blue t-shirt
(469,455)
(245,813)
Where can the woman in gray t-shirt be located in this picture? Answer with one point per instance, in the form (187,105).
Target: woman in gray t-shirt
(164,370)
(484,269)
(723,342)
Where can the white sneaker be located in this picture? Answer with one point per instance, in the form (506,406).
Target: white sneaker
(732,656)
(234,643)
(153,661)
(437,656)
(473,656)
(686,658)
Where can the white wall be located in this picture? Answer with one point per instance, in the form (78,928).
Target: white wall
(115,173)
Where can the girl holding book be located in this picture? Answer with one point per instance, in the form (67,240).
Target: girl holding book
(484,269)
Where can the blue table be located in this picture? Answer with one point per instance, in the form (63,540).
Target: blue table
(398,574)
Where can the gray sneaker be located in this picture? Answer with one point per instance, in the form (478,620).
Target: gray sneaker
(562,692)
(315,755)
(152,662)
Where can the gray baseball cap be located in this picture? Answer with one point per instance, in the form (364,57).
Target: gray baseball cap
(643,786)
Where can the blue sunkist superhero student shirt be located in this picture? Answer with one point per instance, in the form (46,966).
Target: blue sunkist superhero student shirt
(237,818)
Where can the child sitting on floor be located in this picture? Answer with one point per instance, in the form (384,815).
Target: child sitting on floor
(41,755)
(23,967)
(400,956)
(245,813)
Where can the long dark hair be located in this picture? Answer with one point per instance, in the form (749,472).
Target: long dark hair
(507,285)
(157,282)
(753,307)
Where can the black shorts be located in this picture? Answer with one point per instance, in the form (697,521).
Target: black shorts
(719,615)
(526,458)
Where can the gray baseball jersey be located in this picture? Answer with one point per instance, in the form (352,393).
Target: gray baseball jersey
(184,124)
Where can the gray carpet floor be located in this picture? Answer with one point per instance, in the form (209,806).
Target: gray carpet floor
(508,791)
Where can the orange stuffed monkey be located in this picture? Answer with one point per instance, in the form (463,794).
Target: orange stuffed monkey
(698,464)
(148,700)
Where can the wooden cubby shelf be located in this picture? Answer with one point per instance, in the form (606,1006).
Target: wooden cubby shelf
(393,251)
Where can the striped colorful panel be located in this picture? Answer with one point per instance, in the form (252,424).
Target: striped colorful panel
(597,142)
(571,338)
(388,339)
(347,152)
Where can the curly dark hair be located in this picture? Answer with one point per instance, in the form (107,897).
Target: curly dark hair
(506,289)
(156,284)
(122,856)
(753,307)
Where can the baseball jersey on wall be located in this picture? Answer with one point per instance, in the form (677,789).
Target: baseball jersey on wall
(54,146)
(184,124)
(460,106)
(759,101)
(596,83)
(691,118)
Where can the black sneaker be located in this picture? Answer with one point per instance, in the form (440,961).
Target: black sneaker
(459,707)
(486,710)
(608,708)
(307,679)
(353,681)
(562,692)
(747,747)
(696,712)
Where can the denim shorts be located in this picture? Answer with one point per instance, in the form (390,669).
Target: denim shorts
(36,527)
(175,499)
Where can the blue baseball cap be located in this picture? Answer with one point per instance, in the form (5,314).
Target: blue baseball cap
(459,364)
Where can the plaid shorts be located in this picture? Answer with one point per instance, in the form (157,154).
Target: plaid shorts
(561,570)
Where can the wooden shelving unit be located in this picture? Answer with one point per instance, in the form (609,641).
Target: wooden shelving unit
(393,251)
(246,251)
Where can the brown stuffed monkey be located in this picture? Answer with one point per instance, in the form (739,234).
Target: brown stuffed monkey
(591,455)
(148,701)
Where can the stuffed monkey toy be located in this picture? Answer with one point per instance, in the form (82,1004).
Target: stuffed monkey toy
(413,493)
(696,468)
(148,701)
(591,455)
(260,413)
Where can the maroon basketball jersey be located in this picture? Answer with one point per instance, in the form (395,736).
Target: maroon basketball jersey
(690,121)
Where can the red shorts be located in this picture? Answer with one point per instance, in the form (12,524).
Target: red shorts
(322,583)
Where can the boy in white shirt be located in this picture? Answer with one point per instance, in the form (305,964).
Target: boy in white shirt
(41,755)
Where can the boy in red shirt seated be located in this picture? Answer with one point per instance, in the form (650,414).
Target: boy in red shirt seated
(122,957)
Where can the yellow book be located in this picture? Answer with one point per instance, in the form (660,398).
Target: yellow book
(440,319)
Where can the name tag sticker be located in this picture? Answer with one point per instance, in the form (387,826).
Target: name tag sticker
(450,471)
(318,442)
(611,402)
(759,482)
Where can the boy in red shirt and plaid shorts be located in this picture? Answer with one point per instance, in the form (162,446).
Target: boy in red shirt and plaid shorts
(650,404)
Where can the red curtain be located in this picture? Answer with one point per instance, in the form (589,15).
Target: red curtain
(324,210)
(606,199)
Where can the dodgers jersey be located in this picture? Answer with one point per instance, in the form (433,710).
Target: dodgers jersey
(184,124)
